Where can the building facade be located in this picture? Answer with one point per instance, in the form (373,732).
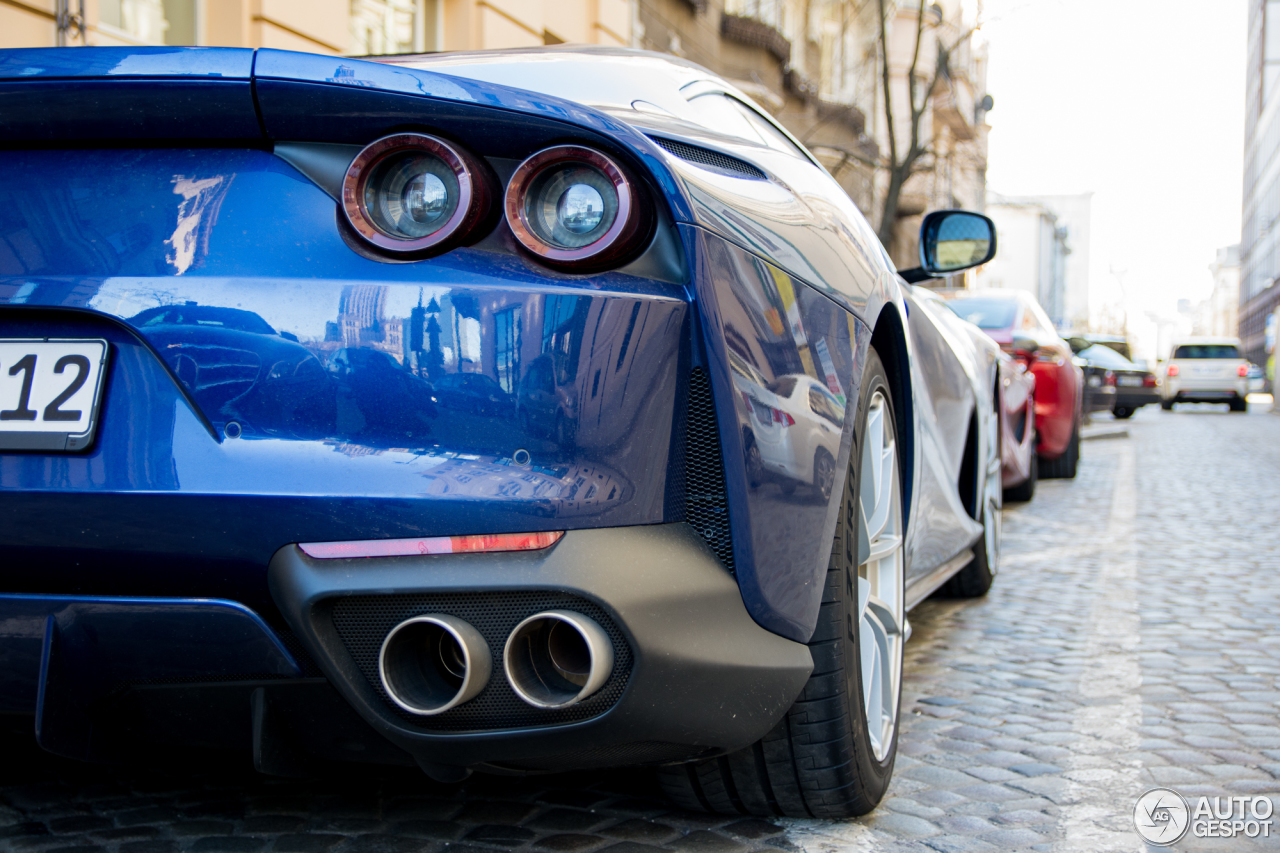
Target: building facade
(811,63)
(1219,314)
(355,27)
(1260,234)
(1062,235)
(1034,253)
(817,66)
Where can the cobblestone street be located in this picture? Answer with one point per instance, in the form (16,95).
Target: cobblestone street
(1132,639)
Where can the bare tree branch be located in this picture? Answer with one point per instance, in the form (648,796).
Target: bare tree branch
(902,168)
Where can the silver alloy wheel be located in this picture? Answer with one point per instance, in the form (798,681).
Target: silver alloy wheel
(880,577)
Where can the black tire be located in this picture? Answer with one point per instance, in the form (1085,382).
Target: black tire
(817,761)
(1167,405)
(1239,405)
(754,463)
(1065,466)
(1122,413)
(824,473)
(1026,490)
(975,579)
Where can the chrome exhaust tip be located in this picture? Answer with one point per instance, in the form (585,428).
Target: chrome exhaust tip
(429,664)
(557,658)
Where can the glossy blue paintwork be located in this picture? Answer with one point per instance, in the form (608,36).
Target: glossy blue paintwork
(77,648)
(332,367)
(59,95)
(274,379)
(45,63)
(347,424)
(778,351)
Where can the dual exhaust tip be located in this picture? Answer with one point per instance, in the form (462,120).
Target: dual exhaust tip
(430,664)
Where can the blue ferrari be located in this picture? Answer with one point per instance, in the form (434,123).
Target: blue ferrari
(509,412)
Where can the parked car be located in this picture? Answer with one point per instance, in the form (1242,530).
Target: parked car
(241,371)
(1084,340)
(1257,379)
(544,406)
(1013,397)
(475,393)
(1021,465)
(1014,315)
(1206,370)
(421,588)
(1115,384)
(807,419)
(380,401)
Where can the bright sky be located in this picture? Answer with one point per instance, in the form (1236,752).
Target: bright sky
(1141,103)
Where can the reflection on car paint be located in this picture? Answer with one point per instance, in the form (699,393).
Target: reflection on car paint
(788,354)
(943,387)
(470,353)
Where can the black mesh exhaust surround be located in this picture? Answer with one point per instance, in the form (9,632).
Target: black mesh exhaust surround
(706,499)
(363,622)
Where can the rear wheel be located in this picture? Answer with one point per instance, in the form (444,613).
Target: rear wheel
(1122,413)
(1239,405)
(832,754)
(1064,467)
(824,473)
(974,580)
(755,464)
(1026,490)
(1167,405)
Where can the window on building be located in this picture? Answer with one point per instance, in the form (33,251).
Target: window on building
(1271,50)
(395,26)
(149,21)
(771,12)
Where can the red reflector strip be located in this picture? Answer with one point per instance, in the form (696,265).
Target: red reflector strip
(436,545)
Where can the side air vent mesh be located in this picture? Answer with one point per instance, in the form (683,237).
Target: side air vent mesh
(706,501)
(363,621)
(707,157)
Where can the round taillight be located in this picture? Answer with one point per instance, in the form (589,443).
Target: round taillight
(575,208)
(410,193)
(1242,370)
(1172,370)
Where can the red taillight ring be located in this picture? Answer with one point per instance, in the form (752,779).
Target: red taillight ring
(628,225)
(473,192)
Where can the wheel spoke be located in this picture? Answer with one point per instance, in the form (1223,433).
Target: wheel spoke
(884,547)
(880,577)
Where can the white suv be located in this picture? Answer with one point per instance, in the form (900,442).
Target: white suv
(1206,370)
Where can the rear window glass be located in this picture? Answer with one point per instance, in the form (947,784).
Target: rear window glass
(1105,356)
(1207,351)
(783,386)
(986,313)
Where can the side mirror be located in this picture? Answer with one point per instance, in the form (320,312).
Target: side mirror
(951,241)
(1025,349)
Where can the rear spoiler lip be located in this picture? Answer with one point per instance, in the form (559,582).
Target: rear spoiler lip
(204,96)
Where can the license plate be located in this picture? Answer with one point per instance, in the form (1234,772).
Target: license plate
(50,390)
(1133,381)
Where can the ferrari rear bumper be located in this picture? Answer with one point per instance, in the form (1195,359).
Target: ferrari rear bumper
(693,673)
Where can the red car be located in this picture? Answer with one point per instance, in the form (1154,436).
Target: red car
(1017,322)
(1019,468)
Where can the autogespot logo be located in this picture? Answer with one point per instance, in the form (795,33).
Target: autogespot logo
(1161,816)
